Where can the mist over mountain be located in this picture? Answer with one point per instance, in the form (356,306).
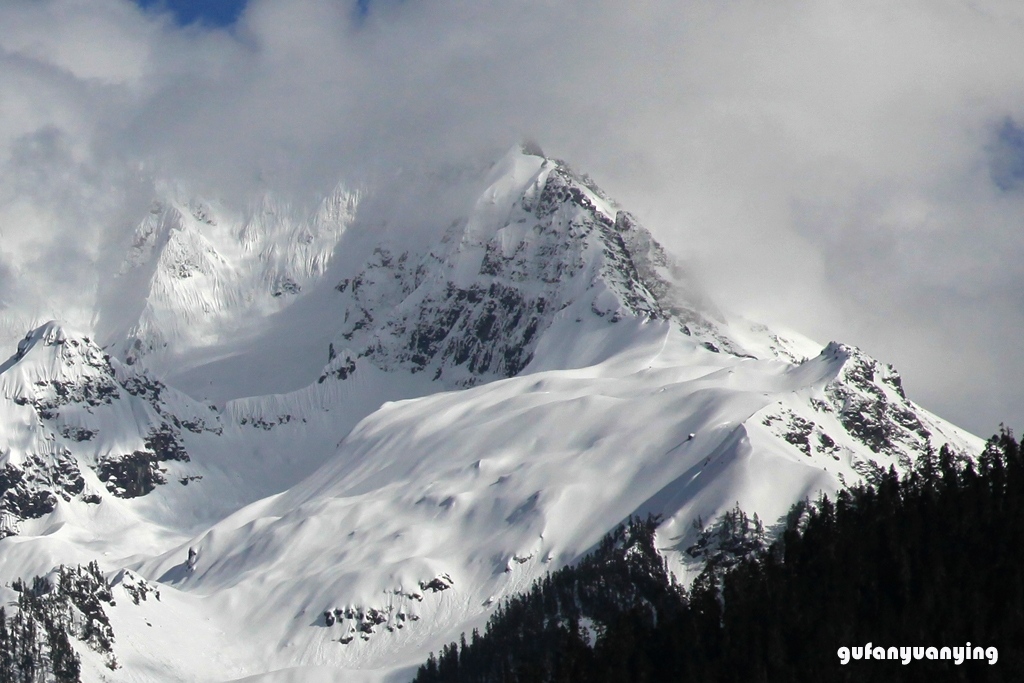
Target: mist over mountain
(849,172)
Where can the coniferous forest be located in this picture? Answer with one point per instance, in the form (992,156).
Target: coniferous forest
(36,635)
(932,558)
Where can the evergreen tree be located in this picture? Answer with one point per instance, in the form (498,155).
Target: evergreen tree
(6,650)
(926,559)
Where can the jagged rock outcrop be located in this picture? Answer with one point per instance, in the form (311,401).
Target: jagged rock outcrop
(542,241)
(86,424)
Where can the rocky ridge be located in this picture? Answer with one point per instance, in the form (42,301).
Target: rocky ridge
(88,427)
(542,243)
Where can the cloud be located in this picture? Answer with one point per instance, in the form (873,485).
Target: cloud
(851,170)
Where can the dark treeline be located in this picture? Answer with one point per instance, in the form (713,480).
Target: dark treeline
(35,645)
(930,558)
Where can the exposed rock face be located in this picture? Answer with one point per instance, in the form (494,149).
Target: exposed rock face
(138,473)
(862,410)
(31,490)
(78,408)
(869,401)
(474,308)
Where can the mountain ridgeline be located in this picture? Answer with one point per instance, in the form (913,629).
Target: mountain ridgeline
(924,560)
(542,243)
(338,436)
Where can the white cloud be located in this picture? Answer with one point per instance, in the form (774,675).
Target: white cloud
(824,164)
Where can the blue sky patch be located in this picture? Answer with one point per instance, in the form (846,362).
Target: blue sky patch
(209,12)
(1007,156)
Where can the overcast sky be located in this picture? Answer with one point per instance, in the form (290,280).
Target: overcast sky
(854,170)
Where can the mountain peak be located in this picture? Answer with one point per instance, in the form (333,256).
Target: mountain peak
(532,148)
(51,333)
(538,244)
(54,350)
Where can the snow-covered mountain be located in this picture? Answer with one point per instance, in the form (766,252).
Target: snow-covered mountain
(328,445)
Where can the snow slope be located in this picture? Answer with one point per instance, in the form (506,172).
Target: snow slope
(361,466)
(200,280)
